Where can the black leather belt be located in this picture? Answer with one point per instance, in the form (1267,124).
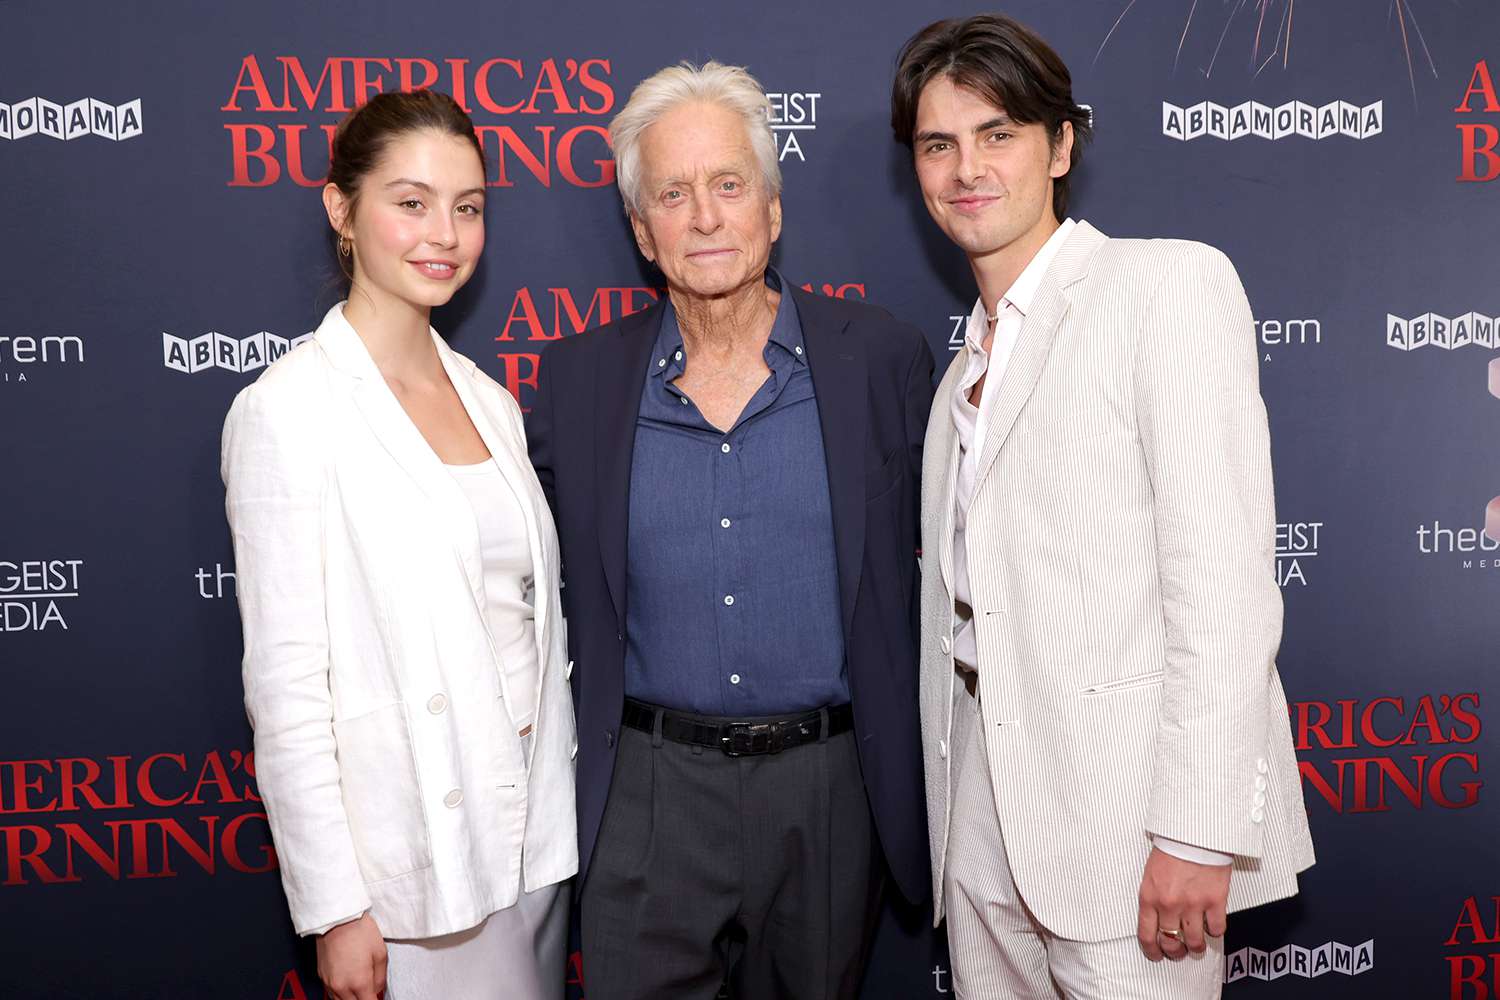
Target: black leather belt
(736,737)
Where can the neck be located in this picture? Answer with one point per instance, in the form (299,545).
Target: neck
(393,331)
(997,270)
(729,323)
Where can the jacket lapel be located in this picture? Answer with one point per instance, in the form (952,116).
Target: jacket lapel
(837,362)
(619,379)
(396,433)
(1035,342)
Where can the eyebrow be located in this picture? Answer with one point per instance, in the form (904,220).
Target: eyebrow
(420,185)
(998,121)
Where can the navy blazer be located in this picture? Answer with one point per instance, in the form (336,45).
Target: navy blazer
(873,378)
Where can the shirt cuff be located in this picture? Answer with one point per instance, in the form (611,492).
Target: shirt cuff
(1189,852)
(337,923)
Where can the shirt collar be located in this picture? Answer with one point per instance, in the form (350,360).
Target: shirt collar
(1022,291)
(669,356)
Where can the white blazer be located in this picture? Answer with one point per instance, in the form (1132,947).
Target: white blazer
(1121,547)
(392,775)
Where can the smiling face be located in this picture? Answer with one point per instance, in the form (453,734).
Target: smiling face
(986,180)
(706,216)
(417,229)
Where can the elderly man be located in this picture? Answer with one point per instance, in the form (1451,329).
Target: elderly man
(734,477)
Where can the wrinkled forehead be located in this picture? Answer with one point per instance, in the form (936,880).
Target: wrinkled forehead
(695,141)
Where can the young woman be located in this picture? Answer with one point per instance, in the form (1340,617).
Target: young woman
(405,666)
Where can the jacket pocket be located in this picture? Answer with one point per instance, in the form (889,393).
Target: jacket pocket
(1125,683)
(382,795)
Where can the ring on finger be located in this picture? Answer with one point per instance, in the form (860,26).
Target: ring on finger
(1174,933)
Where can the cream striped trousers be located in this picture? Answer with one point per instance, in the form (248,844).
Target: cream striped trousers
(998,949)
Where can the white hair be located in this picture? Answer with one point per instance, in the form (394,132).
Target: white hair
(730,87)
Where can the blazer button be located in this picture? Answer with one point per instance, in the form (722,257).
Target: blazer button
(1260,799)
(1261,765)
(568,671)
(436,704)
(453,798)
(609,738)
(1257,814)
(1260,783)
(946,644)
(943,749)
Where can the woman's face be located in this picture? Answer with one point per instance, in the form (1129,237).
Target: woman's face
(418,228)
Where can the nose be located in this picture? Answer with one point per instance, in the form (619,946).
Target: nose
(967,168)
(442,232)
(708,215)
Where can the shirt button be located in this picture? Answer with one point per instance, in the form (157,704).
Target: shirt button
(662,363)
(678,356)
(734,678)
(453,798)
(729,600)
(436,704)
(798,348)
(609,738)
(946,644)
(683,400)
(724,447)
(724,523)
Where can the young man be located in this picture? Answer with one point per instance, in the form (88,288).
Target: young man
(1109,762)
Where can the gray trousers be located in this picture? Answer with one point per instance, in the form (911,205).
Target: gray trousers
(759,873)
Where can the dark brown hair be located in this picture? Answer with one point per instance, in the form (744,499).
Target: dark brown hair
(363,137)
(1006,63)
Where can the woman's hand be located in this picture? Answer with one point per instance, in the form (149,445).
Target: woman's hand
(351,961)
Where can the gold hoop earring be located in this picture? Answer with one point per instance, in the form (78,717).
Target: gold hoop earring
(343,247)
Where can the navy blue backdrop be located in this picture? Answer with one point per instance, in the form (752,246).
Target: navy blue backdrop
(163,236)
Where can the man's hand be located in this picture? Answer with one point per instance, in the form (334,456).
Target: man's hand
(351,960)
(1180,895)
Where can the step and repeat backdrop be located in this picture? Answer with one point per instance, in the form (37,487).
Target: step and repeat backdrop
(164,241)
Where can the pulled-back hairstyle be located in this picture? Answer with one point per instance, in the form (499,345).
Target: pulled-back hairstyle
(729,87)
(1004,62)
(363,137)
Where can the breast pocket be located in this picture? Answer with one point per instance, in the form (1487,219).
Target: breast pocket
(382,795)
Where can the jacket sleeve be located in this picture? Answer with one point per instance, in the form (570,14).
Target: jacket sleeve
(274,479)
(1207,450)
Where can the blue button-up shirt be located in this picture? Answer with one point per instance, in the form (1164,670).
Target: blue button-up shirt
(732,595)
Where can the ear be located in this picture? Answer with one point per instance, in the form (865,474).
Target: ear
(1062,152)
(336,204)
(643,240)
(775,209)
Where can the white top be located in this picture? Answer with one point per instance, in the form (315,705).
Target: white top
(508,582)
(971,421)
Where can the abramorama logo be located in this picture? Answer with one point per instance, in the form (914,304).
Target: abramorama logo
(1294,118)
(216,350)
(87,116)
(1294,960)
(1448,332)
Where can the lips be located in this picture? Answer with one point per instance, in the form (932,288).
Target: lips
(439,269)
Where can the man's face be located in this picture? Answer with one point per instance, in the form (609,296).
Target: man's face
(986,179)
(706,217)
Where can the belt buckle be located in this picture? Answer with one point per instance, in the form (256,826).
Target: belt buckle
(740,739)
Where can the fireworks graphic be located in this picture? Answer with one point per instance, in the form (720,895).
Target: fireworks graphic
(1271,41)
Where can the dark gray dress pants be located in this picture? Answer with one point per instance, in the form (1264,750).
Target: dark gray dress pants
(759,872)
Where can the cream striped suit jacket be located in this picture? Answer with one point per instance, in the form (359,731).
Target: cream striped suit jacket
(1121,553)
